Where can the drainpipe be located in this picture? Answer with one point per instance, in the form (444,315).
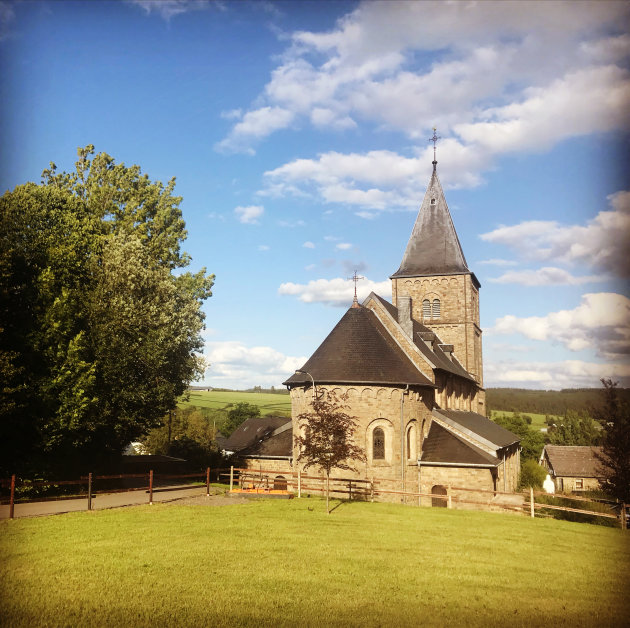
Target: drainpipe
(504,474)
(402,441)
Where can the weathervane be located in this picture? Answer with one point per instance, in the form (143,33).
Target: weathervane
(355,278)
(434,139)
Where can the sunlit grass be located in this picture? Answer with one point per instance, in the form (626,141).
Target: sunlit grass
(288,563)
(267,402)
(538,420)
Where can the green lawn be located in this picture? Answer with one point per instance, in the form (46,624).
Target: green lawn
(288,563)
(268,402)
(538,420)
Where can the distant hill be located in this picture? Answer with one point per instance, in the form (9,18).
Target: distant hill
(555,402)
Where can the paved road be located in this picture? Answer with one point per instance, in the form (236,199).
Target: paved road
(100,502)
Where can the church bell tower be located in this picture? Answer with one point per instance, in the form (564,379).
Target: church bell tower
(444,291)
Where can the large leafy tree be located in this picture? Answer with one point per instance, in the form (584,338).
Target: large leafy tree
(614,416)
(326,439)
(98,336)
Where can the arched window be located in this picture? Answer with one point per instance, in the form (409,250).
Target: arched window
(436,308)
(409,443)
(378,444)
(426,309)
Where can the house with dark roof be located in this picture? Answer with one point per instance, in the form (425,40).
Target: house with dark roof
(411,371)
(573,468)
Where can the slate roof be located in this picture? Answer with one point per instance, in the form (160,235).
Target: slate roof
(574,461)
(442,446)
(433,247)
(478,425)
(249,433)
(435,355)
(277,445)
(359,350)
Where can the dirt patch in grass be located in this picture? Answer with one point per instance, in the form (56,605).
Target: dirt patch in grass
(213,500)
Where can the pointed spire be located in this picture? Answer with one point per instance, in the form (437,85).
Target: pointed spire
(433,247)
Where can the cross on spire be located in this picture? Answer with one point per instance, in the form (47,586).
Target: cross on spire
(355,278)
(434,139)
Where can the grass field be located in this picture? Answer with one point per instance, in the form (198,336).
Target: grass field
(267,402)
(286,563)
(538,420)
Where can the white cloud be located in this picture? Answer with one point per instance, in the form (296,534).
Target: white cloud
(498,262)
(263,247)
(337,292)
(235,365)
(546,276)
(249,215)
(344,246)
(168,9)
(308,245)
(553,375)
(502,76)
(602,243)
(255,124)
(601,322)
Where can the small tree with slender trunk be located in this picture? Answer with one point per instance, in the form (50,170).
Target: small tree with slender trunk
(326,440)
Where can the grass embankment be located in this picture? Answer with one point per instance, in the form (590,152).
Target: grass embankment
(267,402)
(288,563)
(538,420)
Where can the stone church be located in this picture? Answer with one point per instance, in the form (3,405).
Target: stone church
(412,374)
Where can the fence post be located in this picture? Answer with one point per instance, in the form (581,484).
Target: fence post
(299,482)
(89,491)
(208,482)
(12,501)
(151,487)
(531,502)
(231,478)
(372,490)
(623,515)
(350,489)
(449,501)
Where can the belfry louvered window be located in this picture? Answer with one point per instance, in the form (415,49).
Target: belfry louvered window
(426,309)
(378,444)
(436,308)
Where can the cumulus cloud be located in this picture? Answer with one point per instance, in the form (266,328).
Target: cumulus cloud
(546,276)
(601,243)
(601,322)
(502,76)
(255,124)
(553,375)
(263,247)
(337,292)
(308,245)
(343,246)
(235,365)
(249,215)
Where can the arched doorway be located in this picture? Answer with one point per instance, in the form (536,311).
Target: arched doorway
(280,483)
(438,502)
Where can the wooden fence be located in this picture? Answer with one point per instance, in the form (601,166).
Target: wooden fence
(298,483)
(266,480)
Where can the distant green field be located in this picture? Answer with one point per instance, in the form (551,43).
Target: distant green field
(267,402)
(288,563)
(538,420)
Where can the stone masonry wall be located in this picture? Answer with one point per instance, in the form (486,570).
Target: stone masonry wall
(458,323)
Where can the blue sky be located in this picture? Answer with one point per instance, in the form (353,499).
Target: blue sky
(298,133)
